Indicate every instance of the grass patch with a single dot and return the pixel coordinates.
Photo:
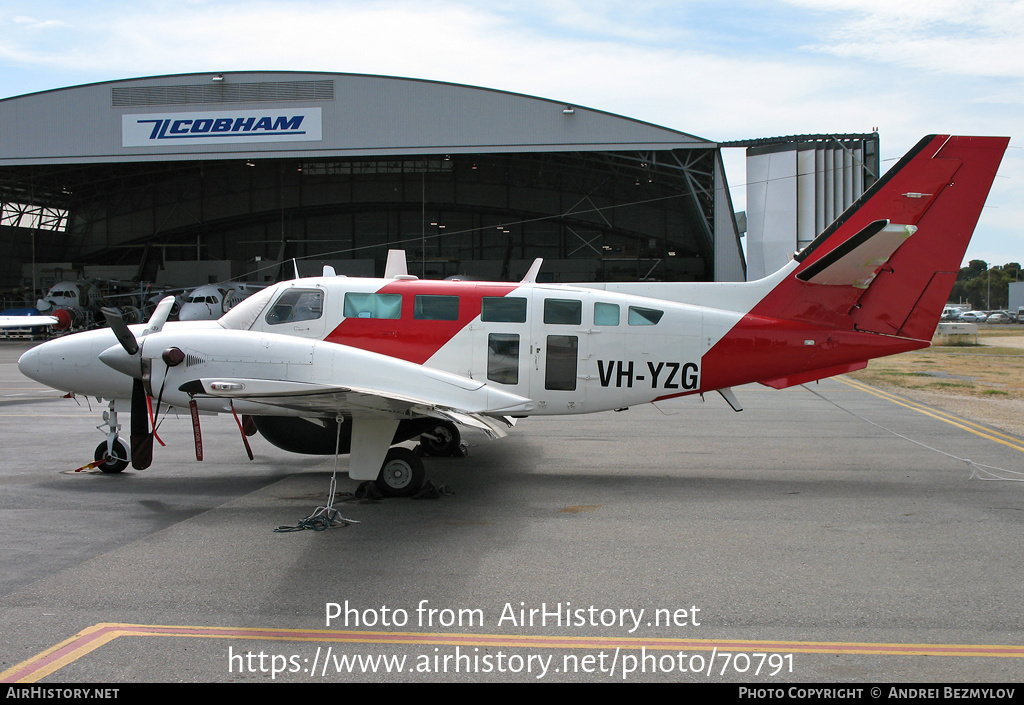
(991, 371)
(994, 331)
(979, 350)
(952, 342)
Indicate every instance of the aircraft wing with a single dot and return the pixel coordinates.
(26, 321)
(330, 400)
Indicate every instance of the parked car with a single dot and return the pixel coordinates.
(973, 317)
(1001, 317)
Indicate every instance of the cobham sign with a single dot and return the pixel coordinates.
(221, 127)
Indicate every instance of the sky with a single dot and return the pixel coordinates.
(717, 69)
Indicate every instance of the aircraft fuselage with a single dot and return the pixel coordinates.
(560, 349)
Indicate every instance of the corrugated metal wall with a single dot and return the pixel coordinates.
(797, 189)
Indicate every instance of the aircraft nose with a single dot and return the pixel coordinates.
(69, 364)
(48, 364)
(28, 364)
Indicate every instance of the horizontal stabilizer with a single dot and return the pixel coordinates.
(857, 261)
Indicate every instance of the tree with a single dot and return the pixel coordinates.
(987, 288)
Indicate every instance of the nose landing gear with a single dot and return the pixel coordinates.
(112, 451)
(115, 459)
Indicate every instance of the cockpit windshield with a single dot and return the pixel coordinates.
(242, 316)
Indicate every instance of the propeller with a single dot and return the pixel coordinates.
(136, 367)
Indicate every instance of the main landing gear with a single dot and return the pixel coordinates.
(442, 440)
(402, 474)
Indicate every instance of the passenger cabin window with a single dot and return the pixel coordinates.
(503, 358)
(644, 316)
(436, 308)
(297, 305)
(503, 309)
(563, 311)
(373, 305)
(606, 314)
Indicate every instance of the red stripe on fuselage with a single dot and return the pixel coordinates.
(761, 348)
(408, 338)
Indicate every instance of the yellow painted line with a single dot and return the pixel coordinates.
(92, 638)
(969, 426)
(923, 408)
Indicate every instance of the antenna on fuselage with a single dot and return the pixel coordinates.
(396, 266)
(531, 275)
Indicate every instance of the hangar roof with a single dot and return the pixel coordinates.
(287, 114)
(247, 166)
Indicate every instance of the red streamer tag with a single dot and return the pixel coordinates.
(194, 408)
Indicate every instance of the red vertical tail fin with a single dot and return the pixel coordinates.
(888, 264)
(874, 282)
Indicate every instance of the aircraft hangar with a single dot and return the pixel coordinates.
(213, 175)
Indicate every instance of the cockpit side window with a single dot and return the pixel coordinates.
(297, 305)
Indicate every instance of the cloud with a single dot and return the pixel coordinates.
(26, 22)
(717, 70)
(948, 36)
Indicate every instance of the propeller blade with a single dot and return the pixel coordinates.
(141, 438)
(120, 328)
(160, 315)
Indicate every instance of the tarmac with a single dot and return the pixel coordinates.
(828, 533)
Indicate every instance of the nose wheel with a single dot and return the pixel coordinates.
(113, 452)
(114, 460)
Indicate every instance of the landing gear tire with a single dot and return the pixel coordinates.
(115, 463)
(401, 475)
(442, 440)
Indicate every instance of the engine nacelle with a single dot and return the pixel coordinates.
(320, 436)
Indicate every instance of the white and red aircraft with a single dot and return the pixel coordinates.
(335, 364)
